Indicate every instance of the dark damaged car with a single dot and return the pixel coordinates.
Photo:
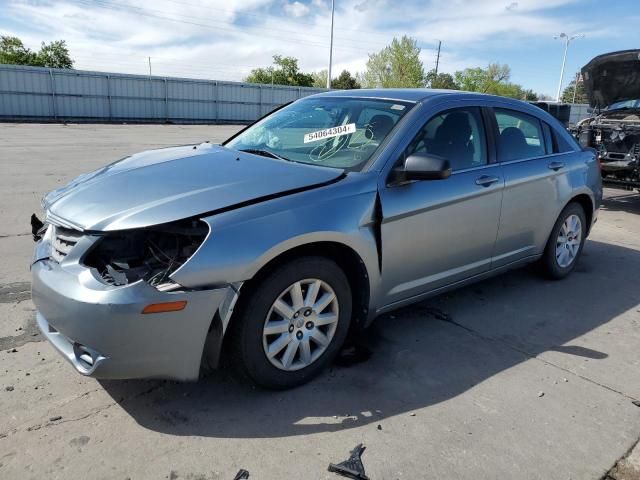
(612, 83)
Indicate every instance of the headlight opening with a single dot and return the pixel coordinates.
(151, 254)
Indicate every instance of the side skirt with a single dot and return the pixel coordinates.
(461, 283)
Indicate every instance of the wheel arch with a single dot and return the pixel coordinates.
(582, 198)
(586, 202)
(343, 255)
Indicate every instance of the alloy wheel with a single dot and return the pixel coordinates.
(300, 324)
(569, 241)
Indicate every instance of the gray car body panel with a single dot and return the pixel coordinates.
(242, 241)
(161, 186)
(414, 240)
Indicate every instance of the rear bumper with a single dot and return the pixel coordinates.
(102, 332)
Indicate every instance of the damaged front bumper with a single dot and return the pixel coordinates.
(101, 330)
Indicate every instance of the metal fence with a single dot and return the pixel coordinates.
(56, 95)
(50, 94)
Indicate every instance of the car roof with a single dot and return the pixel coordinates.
(400, 94)
(420, 94)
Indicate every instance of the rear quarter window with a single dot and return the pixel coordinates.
(561, 144)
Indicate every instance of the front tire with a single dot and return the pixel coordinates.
(565, 242)
(292, 324)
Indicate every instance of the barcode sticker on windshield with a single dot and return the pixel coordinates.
(330, 132)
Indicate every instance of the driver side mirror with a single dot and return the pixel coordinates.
(420, 166)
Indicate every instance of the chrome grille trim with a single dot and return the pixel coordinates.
(64, 239)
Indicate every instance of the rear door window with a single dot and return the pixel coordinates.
(519, 136)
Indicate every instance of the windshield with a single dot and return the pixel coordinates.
(625, 104)
(327, 131)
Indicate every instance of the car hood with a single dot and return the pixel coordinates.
(160, 186)
(612, 77)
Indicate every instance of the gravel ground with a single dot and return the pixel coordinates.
(515, 377)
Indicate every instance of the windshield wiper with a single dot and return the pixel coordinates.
(265, 153)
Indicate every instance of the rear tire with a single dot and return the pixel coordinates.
(292, 323)
(565, 242)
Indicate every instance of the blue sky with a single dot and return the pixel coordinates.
(225, 39)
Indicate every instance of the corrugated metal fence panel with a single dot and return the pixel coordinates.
(44, 94)
(33, 93)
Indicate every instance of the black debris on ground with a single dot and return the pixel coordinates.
(241, 475)
(352, 467)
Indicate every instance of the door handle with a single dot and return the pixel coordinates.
(555, 165)
(486, 180)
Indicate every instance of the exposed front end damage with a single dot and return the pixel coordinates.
(612, 83)
(108, 304)
(149, 254)
(616, 137)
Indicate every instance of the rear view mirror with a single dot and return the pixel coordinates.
(421, 166)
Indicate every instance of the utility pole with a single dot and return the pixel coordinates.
(331, 45)
(575, 87)
(567, 40)
(438, 57)
(149, 65)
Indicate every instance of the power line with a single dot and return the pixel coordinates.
(261, 17)
(142, 67)
(110, 5)
(163, 60)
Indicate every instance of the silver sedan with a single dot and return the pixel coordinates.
(268, 251)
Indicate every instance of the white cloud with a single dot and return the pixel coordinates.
(211, 39)
(296, 9)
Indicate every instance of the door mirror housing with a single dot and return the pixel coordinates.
(420, 166)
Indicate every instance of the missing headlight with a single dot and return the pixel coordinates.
(151, 254)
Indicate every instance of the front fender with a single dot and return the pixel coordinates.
(244, 240)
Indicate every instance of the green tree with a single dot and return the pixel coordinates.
(320, 79)
(345, 81)
(53, 55)
(483, 80)
(285, 71)
(13, 51)
(396, 65)
(494, 80)
(581, 94)
(441, 80)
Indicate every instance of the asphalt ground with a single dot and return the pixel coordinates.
(516, 377)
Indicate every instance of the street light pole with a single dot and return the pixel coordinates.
(567, 40)
(331, 45)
